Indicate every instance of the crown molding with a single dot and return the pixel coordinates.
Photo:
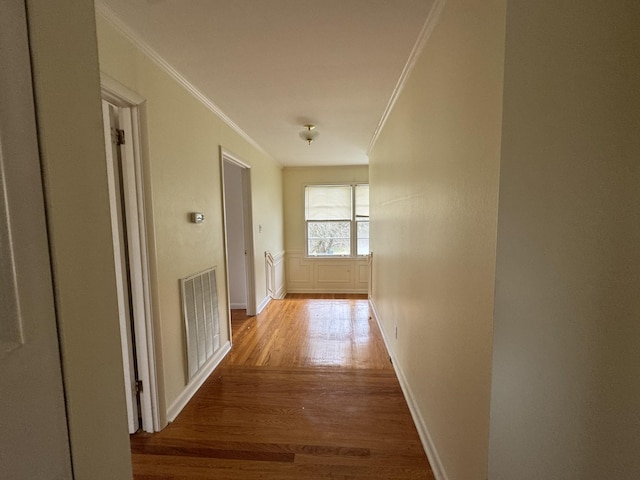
(427, 29)
(138, 42)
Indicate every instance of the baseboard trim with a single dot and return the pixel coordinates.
(196, 382)
(281, 293)
(325, 290)
(238, 306)
(425, 437)
(265, 301)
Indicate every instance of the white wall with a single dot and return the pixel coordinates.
(434, 196)
(235, 235)
(566, 367)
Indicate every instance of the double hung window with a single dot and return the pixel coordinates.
(337, 220)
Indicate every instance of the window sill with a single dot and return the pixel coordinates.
(336, 257)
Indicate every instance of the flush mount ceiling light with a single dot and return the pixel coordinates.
(309, 134)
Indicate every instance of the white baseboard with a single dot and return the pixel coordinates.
(196, 382)
(421, 426)
(326, 290)
(238, 306)
(265, 301)
(281, 293)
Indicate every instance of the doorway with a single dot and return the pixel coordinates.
(121, 118)
(236, 264)
(238, 225)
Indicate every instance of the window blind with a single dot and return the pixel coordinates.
(362, 202)
(328, 202)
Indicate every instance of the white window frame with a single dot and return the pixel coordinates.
(353, 223)
(356, 221)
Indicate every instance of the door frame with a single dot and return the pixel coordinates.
(34, 412)
(227, 156)
(119, 222)
(143, 331)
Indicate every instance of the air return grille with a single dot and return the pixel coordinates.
(201, 319)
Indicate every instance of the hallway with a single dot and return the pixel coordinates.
(307, 392)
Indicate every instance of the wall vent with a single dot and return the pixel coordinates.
(201, 319)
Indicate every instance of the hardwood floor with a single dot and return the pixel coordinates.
(307, 392)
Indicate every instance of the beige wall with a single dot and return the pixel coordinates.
(434, 194)
(326, 275)
(566, 368)
(67, 91)
(294, 180)
(184, 176)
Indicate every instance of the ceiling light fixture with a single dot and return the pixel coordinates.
(309, 134)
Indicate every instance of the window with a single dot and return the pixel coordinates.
(337, 220)
(362, 219)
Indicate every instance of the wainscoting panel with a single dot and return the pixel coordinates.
(334, 272)
(300, 271)
(276, 287)
(280, 283)
(362, 279)
(326, 275)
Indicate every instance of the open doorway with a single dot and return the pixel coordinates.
(238, 224)
(234, 214)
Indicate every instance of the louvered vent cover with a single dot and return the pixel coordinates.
(202, 323)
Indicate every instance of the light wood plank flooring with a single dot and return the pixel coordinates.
(307, 392)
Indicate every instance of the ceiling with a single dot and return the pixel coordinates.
(273, 65)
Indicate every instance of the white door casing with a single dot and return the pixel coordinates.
(111, 125)
(34, 442)
(128, 108)
(228, 158)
